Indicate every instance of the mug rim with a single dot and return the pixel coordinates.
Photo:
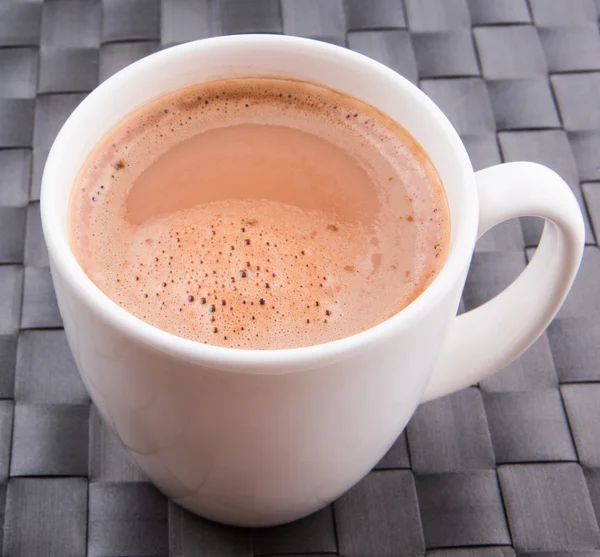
(255, 360)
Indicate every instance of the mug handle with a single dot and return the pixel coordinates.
(486, 339)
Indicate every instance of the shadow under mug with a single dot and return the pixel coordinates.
(259, 438)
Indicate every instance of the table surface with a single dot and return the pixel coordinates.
(510, 466)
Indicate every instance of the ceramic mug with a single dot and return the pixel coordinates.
(261, 437)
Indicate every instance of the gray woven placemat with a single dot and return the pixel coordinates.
(510, 466)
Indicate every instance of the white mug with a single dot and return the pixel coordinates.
(261, 437)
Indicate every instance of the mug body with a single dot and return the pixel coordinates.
(251, 437)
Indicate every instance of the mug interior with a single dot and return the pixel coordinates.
(258, 55)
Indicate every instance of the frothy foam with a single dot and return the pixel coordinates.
(259, 213)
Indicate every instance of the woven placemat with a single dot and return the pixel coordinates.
(512, 465)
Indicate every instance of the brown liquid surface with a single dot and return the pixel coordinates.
(259, 213)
